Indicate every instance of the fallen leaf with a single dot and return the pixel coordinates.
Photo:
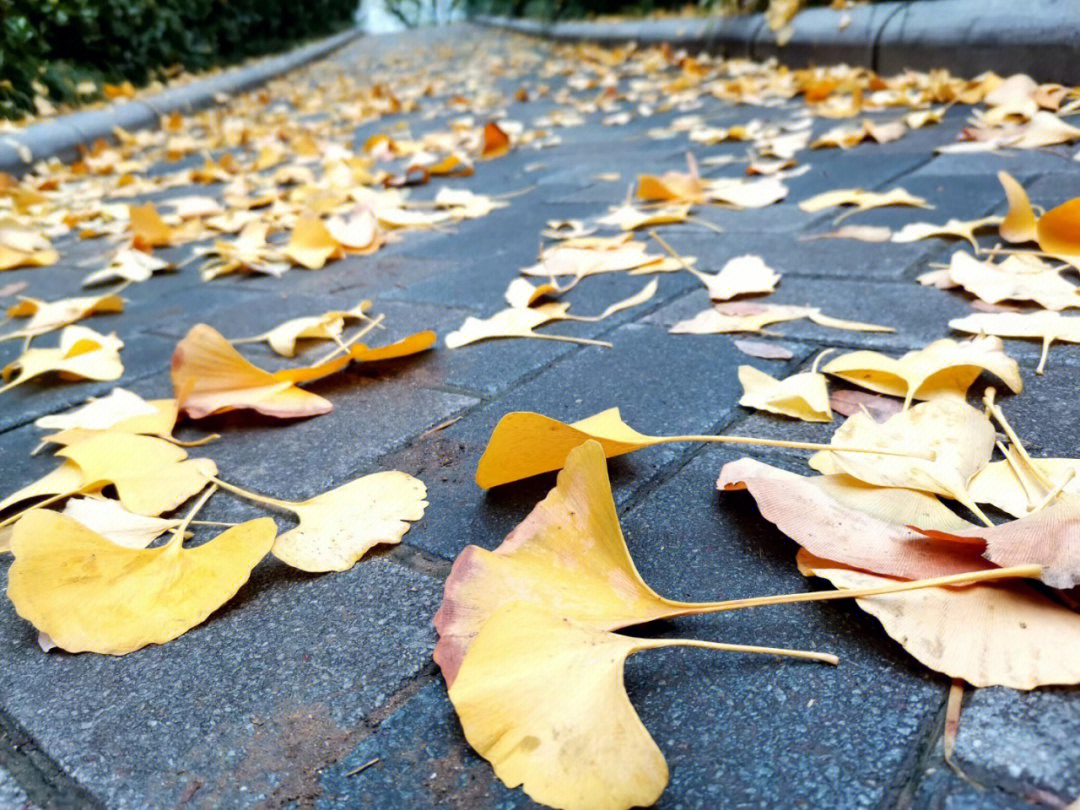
(514, 322)
(127, 265)
(856, 524)
(945, 368)
(328, 326)
(629, 218)
(496, 142)
(45, 316)
(1012, 280)
(1014, 489)
(848, 403)
(862, 200)
(954, 228)
(89, 594)
(766, 351)
(744, 316)
(1001, 634)
(113, 522)
(960, 437)
(742, 275)
(1019, 222)
(1058, 230)
(148, 229)
(311, 245)
(339, 527)
(803, 396)
(1046, 325)
(864, 233)
(82, 354)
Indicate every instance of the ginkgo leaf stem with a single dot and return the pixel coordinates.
(999, 416)
(50, 500)
(792, 445)
(211, 523)
(252, 496)
(568, 339)
(344, 346)
(675, 254)
(213, 437)
(661, 643)
(704, 223)
(178, 533)
(817, 360)
(1056, 490)
(1011, 462)
(988, 575)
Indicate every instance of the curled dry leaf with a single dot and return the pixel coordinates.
(496, 142)
(209, 376)
(1058, 230)
(856, 524)
(45, 316)
(82, 354)
(1019, 222)
(89, 594)
(311, 244)
(21, 248)
(339, 527)
(802, 396)
(1046, 325)
(945, 368)
(960, 437)
(1000, 634)
(148, 229)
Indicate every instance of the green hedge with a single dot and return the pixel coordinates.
(62, 42)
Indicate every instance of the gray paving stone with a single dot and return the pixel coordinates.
(245, 708)
(1017, 739)
(422, 761)
(12, 796)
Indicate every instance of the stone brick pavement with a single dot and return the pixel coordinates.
(299, 680)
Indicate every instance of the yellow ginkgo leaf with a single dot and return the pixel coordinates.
(1013, 488)
(82, 354)
(1019, 222)
(1015, 279)
(465, 204)
(1046, 325)
(525, 444)
(954, 228)
(744, 316)
(803, 396)
(945, 368)
(629, 218)
(338, 527)
(495, 143)
(120, 411)
(739, 192)
(960, 437)
(210, 376)
(148, 229)
(113, 522)
(328, 326)
(311, 244)
(151, 475)
(514, 322)
(542, 698)
(89, 594)
(1058, 230)
(1001, 634)
(45, 316)
(520, 293)
(862, 200)
(743, 275)
(127, 265)
(23, 248)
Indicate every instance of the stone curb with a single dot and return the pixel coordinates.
(1038, 37)
(59, 137)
